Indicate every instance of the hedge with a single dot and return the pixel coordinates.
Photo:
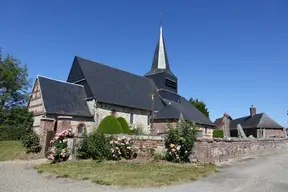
(124, 124)
(110, 125)
(218, 133)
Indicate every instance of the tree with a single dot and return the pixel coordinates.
(14, 82)
(200, 105)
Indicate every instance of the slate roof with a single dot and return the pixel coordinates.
(260, 120)
(63, 98)
(114, 86)
(172, 110)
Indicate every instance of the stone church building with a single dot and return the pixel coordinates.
(93, 91)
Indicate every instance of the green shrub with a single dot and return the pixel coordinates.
(179, 141)
(218, 133)
(13, 123)
(94, 145)
(82, 150)
(124, 125)
(159, 154)
(110, 125)
(31, 141)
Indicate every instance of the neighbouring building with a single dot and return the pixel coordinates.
(258, 125)
(93, 91)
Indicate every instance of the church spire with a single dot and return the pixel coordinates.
(160, 60)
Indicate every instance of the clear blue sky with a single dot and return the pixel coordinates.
(230, 54)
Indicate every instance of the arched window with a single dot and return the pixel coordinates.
(81, 128)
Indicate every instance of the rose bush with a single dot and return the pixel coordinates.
(59, 151)
(121, 147)
(179, 141)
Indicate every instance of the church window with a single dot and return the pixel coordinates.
(131, 118)
(81, 128)
(113, 112)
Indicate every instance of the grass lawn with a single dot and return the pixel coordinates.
(10, 150)
(128, 173)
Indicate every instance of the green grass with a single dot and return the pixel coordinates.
(11, 150)
(128, 173)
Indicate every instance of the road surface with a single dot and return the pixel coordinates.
(263, 174)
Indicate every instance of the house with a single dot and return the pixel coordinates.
(258, 125)
(94, 90)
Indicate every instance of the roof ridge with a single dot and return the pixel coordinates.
(60, 81)
(108, 66)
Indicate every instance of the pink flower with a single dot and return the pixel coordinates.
(123, 137)
(111, 142)
(116, 142)
(127, 143)
(51, 156)
(117, 148)
(118, 139)
(173, 150)
(172, 145)
(57, 137)
(63, 153)
(112, 150)
(178, 147)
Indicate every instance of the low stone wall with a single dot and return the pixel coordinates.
(219, 150)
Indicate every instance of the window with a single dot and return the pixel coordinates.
(131, 118)
(113, 112)
(81, 128)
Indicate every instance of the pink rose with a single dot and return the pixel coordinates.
(172, 145)
(127, 143)
(111, 142)
(173, 150)
(178, 147)
(116, 142)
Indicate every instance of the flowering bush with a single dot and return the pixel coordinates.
(59, 152)
(31, 141)
(121, 147)
(180, 141)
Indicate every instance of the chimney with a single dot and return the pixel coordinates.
(252, 111)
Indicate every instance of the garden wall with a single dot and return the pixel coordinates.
(220, 150)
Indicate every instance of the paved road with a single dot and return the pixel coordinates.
(264, 174)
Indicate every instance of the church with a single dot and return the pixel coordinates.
(93, 91)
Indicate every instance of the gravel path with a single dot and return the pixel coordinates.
(265, 174)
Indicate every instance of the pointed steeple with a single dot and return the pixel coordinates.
(160, 60)
(160, 71)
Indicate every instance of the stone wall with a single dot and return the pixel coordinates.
(219, 150)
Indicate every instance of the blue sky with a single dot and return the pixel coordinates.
(230, 54)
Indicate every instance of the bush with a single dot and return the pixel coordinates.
(95, 146)
(13, 123)
(31, 141)
(110, 125)
(59, 152)
(179, 141)
(82, 150)
(121, 147)
(218, 133)
(159, 154)
(124, 125)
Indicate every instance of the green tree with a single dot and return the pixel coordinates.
(200, 105)
(14, 82)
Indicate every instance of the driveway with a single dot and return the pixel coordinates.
(265, 174)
